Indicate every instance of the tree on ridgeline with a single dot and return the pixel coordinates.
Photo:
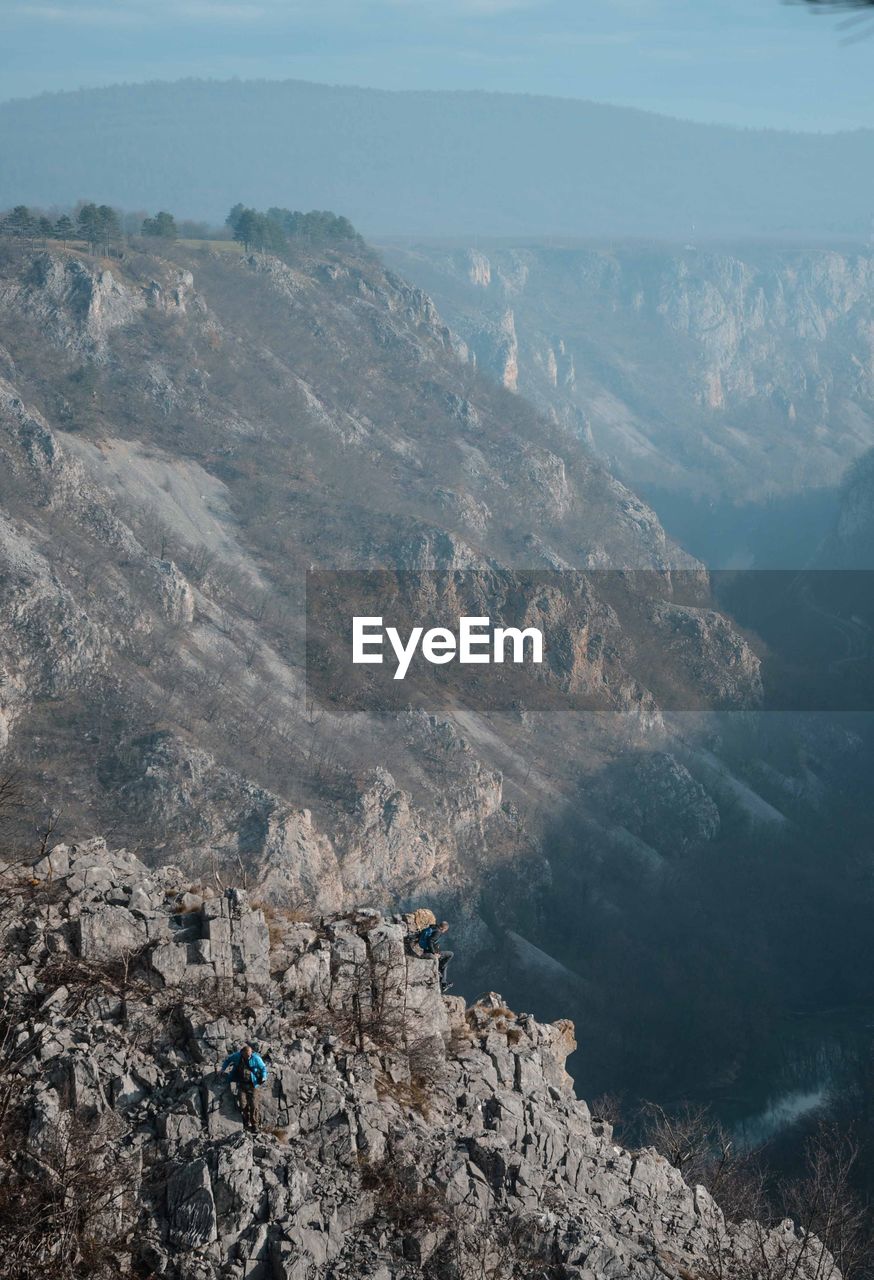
(319, 226)
(110, 224)
(88, 225)
(64, 229)
(245, 227)
(234, 217)
(254, 230)
(272, 230)
(99, 225)
(20, 223)
(161, 227)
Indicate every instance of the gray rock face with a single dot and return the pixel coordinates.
(402, 1133)
(76, 304)
(668, 807)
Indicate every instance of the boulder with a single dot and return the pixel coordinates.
(109, 933)
(191, 1211)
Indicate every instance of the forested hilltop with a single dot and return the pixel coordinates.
(101, 227)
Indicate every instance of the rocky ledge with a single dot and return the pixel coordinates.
(403, 1133)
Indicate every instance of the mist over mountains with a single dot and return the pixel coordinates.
(730, 385)
(432, 163)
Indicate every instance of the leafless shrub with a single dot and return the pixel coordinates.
(197, 562)
(607, 1107)
(372, 1012)
(403, 1198)
(833, 1224)
(689, 1138)
(219, 998)
(498, 1248)
(825, 1205)
(13, 1053)
(11, 792)
(81, 980)
(413, 1092)
(64, 1209)
(47, 829)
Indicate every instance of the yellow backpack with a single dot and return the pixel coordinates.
(420, 919)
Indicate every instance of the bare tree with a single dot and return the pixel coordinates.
(11, 794)
(686, 1138)
(47, 830)
(827, 1207)
(63, 1208)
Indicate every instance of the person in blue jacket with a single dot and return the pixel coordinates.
(248, 1072)
(429, 943)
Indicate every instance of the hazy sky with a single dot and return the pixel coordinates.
(757, 62)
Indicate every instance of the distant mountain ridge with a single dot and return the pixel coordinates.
(428, 162)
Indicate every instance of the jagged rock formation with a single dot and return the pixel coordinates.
(403, 1134)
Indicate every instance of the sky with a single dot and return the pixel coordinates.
(747, 62)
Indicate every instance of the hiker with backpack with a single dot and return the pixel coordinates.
(248, 1072)
(428, 942)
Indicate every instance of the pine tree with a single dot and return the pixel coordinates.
(162, 226)
(234, 217)
(246, 228)
(100, 226)
(20, 222)
(64, 229)
(110, 225)
(89, 225)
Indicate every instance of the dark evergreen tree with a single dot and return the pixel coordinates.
(110, 224)
(99, 225)
(319, 226)
(162, 226)
(63, 229)
(20, 222)
(89, 226)
(234, 217)
(249, 229)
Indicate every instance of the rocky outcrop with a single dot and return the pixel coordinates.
(658, 800)
(496, 347)
(76, 304)
(402, 1133)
